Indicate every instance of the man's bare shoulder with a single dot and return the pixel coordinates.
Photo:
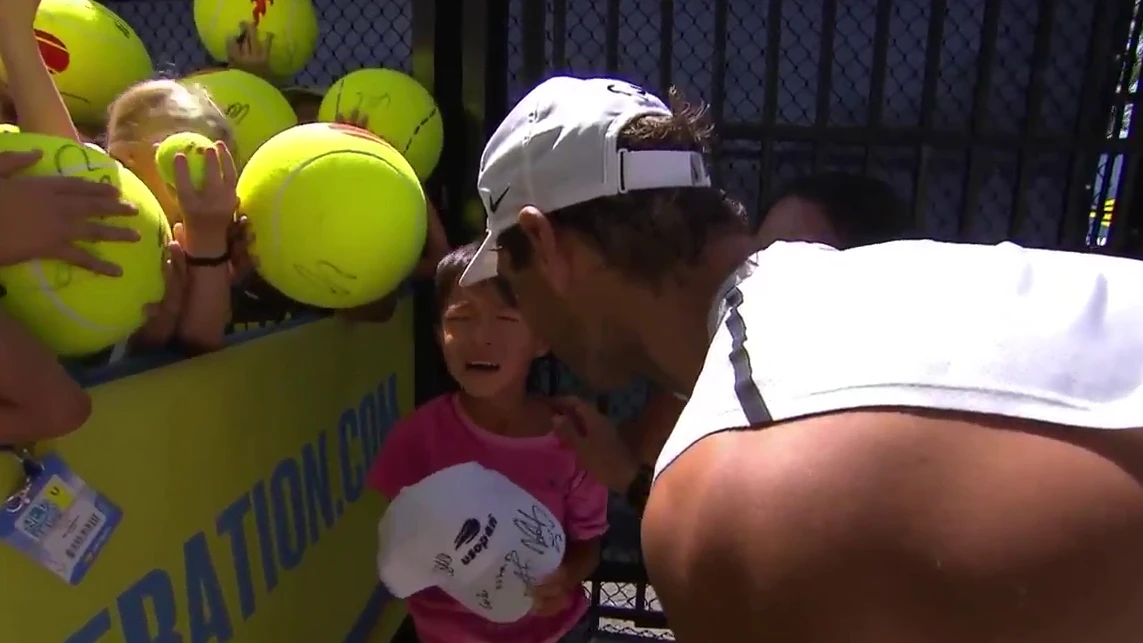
(886, 527)
(771, 537)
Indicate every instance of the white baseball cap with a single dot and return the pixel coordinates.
(559, 147)
(474, 534)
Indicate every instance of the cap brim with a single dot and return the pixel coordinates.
(483, 264)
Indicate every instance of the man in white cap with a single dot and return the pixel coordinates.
(905, 442)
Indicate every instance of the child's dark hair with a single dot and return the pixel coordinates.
(302, 96)
(864, 210)
(452, 267)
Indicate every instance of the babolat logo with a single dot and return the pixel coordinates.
(481, 544)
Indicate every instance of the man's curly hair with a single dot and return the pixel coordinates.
(648, 234)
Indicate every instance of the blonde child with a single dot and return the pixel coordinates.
(201, 218)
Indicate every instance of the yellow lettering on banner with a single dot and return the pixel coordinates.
(241, 479)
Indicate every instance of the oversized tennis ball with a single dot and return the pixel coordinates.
(396, 108)
(292, 23)
(255, 108)
(338, 215)
(73, 311)
(474, 215)
(93, 55)
(192, 145)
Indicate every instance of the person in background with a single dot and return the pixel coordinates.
(494, 421)
(834, 208)
(305, 101)
(201, 218)
(838, 209)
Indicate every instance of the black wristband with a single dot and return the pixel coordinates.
(209, 262)
(640, 488)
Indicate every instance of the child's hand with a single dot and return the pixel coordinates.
(250, 53)
(241, 238)
(553, 593)
(208, 210)
(65, 209)
(163, 317)
(354, 118)
(598, 446)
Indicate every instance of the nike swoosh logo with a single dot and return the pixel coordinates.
(494, 204)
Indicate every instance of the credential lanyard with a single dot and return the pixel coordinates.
(18, 499)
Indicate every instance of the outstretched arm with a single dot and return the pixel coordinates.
(37, 101)
(38, 400)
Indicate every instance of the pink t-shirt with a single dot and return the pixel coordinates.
(439, 435)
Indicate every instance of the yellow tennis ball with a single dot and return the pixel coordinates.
(73, 311)
(338, 215)
(6, 128)
(474, 215)
(192, 145)
(93, 55)
(291, 23)
(398, 109)
(255, 108)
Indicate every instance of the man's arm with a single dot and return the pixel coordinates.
(38, 400)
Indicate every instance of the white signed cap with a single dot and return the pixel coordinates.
(474, 534)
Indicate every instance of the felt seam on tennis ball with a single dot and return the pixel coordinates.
(280, 197)
(53, 296)
(417, 130)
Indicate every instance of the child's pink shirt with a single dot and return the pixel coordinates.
(439, 435)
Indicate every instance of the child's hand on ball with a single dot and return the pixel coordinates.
(68, 210)
(208, 211)
(354, 118)
(250, 53)
(242, 260)
(163, 316)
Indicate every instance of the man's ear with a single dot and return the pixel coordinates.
(541, 349)
(547, 253)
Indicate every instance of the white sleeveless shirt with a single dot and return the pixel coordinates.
(802, 329)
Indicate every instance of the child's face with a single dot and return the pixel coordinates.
(486, 344)
(139, 157)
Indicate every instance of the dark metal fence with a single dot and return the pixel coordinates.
(996, 119)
